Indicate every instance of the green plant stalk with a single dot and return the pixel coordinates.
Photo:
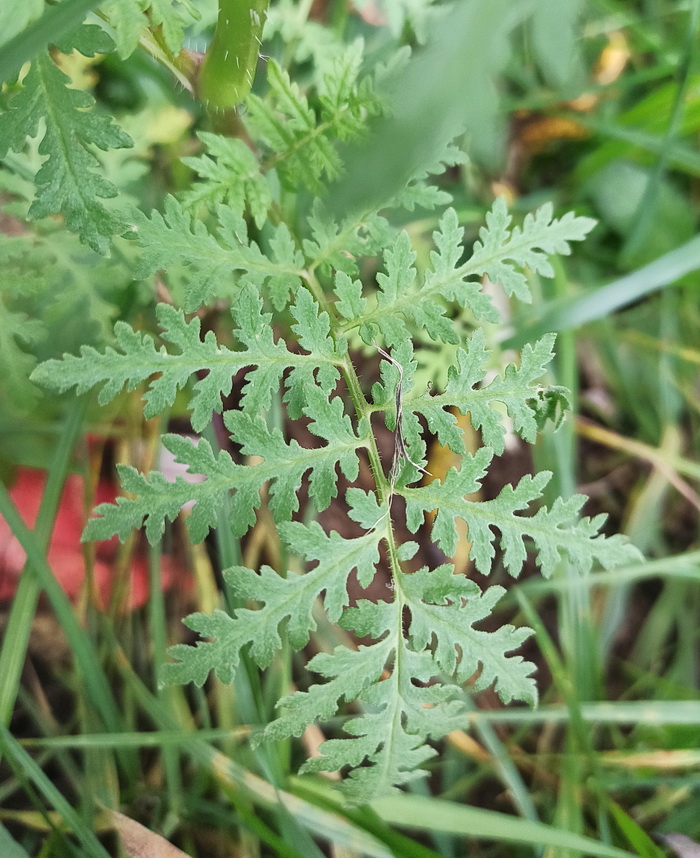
(71, 770)
(19, 624)
(362, 408)
(576, 629)
(506, 768)
(226, 75)
(579, 746)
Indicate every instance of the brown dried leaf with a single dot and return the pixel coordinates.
(140, 842)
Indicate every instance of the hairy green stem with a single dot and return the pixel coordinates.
(227, 73)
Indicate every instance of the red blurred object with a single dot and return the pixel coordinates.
(65, 554)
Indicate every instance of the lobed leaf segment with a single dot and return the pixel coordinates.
(426, 640)
(68, 181)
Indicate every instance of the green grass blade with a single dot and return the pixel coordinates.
(19, 623)
(431, 814)
(320, 823)
(684, 566)
(26, 768)
(636, 837)
(94, 680)
(648, 206)
(647, 712)
(505, 767)
(152, 739)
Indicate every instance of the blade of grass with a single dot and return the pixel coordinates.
(427, 814)
(679, 566)
(25, 767)
(577, 671)
(328, 826)
(319, 791)
(636, 837)
(648, 712)
(558, 452)
(9, 847)
(642, 529)
(19, 624)
(682, 157)
(666, 462)
(505, 767)
(157, 620)
(580, 759)
(94, 680)
(152, 739)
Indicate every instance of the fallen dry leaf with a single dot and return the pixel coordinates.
(140, 842)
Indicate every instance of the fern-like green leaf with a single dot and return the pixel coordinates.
(177, 238)
(302, 143)
(444, 608)
(309, 41)
(403, 298)
(419, 193)
(517, 389)
(14, 17)
(289, 600)
(388, 741)
(138, 360)
(229, 173)
(67, 183)
(346, 99)
(129, 21)
(555, 533)
(286, 463)
(440, 641)
(335, 246)
(283, 465)
(500, 248)
(16, 333)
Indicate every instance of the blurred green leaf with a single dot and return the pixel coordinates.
(555, 30)
(651, 712)
(54, 24)
(447, 88)
(636, 837)
(618, 191)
